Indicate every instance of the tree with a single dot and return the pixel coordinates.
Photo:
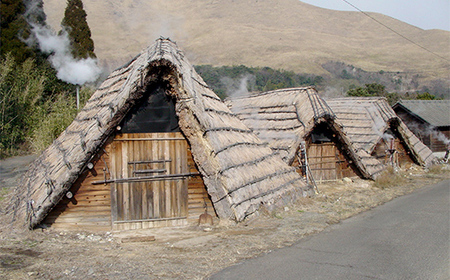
(373, 89)
(14, 29)
(426, 96)
(75, 24)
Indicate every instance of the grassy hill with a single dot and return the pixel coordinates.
(282, 34)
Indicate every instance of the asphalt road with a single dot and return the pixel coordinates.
(407, 238)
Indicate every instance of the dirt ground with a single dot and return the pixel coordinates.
(196, 252)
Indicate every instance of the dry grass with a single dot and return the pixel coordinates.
(389, 178)
(287, 34)
(191, 253)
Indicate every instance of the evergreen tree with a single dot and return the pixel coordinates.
(14, 29)
(75, 23)
(16, 37)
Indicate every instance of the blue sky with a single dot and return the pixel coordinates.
(426, 14)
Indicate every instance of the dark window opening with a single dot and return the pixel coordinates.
(321, 133)
(155, 113)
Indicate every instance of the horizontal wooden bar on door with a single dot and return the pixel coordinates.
(149, 161)
(150, 220)
(149, 171)
(325, 162)
(318, 169)
(148, 178)
(149, 139)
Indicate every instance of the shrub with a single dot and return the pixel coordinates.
(389, 178)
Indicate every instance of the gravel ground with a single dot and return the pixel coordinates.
(194, 252)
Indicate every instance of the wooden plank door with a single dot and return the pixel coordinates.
(147, 167)
(323, 161)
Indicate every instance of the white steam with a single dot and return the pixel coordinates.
(437, 134)
(69, 69)
(237, 87)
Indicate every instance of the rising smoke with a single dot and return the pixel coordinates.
(236, 88)
(69, 69)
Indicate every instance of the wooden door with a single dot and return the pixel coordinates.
(150, 172)
(327, 162)
(323, 161)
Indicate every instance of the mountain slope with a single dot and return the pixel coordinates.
(286, 34)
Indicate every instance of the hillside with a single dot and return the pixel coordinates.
(282, 34)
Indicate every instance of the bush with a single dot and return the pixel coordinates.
(62, 113)
(21, 93)
(35, 107)
(389, 178)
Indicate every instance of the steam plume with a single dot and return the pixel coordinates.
(68, 69)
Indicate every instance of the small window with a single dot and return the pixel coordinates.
(156, 113)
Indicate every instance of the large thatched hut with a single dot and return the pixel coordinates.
(373, 128)
(299, 125)
(152, 147)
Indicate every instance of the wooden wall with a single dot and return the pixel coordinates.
(327, 162)
(403, 156)
(94, 206)
(197, 194)
(431, 138)
(90, 207)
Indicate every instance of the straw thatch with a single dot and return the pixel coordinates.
(240, 172)
(283, 118)
(365, 120)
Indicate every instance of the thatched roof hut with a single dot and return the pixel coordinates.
(287, 117)
(282, 118)
(427, 119)
(367, 122)
(240, 172)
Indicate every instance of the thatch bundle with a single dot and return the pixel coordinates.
(283, 118)
(365, 121)
(240, 172)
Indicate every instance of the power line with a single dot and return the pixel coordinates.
(396, 32)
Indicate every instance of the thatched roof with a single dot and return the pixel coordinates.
(240, 172)
(432, 112)
(365, 120)
(285, 117)
(282, 118)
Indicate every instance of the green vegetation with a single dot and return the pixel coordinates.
(226, 80)
(374, 89)
(426, 96)
(14, 28)
(75, 23)
(34, 107)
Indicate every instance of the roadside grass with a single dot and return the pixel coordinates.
(390, 178)
(3, 192)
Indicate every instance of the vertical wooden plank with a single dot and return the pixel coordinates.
(156, 184)
(132, 186)
(120, 188)
(179, 183)
(137, 187)
(174, 186)
(126, 186)
(339, 163)
(112, 150)
(167, 189)
(144, 148)
(183, 195)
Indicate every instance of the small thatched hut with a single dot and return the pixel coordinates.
(427, 119)
(152, 147)
(294, 119)
(373, 127)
